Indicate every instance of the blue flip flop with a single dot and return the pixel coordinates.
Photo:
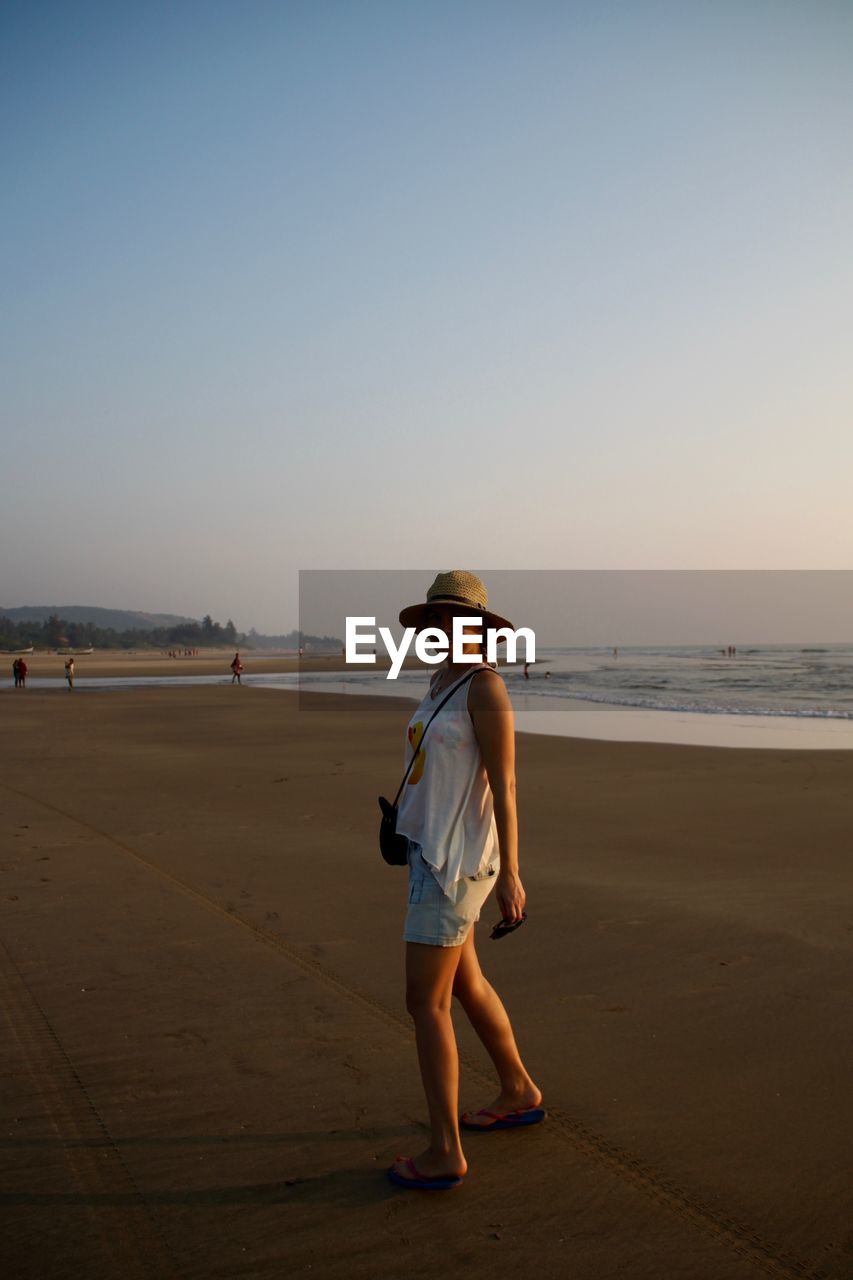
(510, 1120)
(418, 1182)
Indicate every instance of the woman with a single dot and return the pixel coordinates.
(458, 812)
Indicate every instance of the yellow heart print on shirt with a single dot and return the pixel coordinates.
(416, 733)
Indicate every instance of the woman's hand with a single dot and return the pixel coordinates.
(511, 897)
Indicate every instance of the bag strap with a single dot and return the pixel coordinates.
(458, 685)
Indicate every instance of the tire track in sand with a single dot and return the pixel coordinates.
(132, 1242)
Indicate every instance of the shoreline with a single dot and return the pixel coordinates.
(565, 718)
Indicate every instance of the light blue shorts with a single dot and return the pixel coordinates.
(432, 918)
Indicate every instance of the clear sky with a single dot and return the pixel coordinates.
(385, 285)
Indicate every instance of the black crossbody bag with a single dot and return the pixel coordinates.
(393, 846)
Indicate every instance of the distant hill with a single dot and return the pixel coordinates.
(84, 624)
(115, 619)
(78, 625)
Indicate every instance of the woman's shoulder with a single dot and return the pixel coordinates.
(487, 691)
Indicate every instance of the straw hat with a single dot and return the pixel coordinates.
(460, 590)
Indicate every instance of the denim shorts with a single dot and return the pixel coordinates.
(434, 919)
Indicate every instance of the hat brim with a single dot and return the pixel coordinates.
(415, 615)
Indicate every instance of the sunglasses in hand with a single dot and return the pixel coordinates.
(503, 927)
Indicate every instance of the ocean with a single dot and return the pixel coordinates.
(814, 682)
(766, 695)
(770, 695)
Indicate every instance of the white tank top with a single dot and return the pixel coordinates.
(447, 803)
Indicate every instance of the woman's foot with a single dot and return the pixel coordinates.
(429, 1165)
(505, 1104)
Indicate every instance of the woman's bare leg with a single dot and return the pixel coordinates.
(489, 1019)
(429, 990)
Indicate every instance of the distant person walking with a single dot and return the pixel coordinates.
(69, 672)
(236, 669)
(15, 672)
(22, 673)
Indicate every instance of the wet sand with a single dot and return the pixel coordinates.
(208, 1065)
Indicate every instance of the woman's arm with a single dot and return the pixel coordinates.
(494, 728)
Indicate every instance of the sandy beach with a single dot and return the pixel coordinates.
(208, 1065)
(112, 663)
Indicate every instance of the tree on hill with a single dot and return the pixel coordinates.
(56, 632)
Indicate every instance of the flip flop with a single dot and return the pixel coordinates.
(511, 1119)
(418, 1181)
